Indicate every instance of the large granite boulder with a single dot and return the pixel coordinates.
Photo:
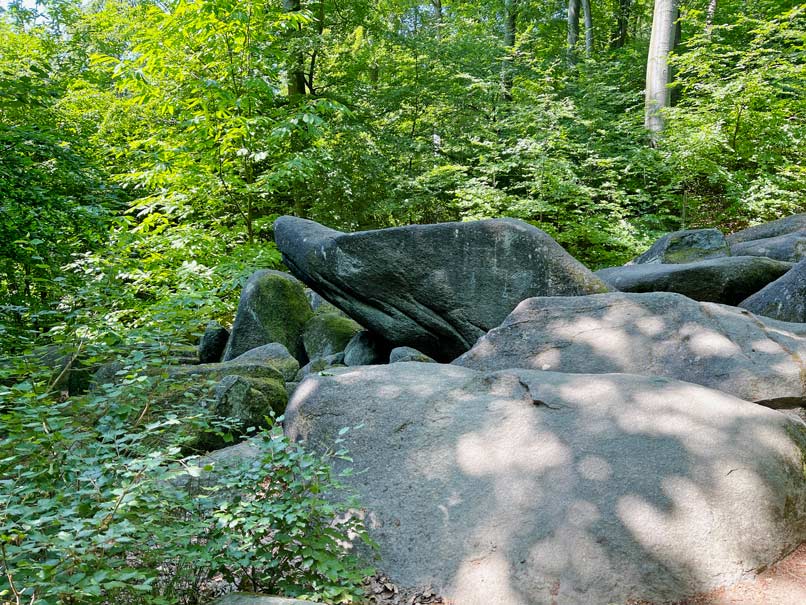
(535, 488)
(783, 226)
(727, 280)
(784, 299)
(437, 288)
(685, 247)
(273, 308)
(789, 247)
(662, 334)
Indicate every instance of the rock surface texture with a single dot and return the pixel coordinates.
(535, 488)
(328, 333)
(437, 288)
(783, 299)
(273, 308)
(789, 224)
(660, 334)
(727, 280)
(685, 247)
(789, 247)
(273, 354)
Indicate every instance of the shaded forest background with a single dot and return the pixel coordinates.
(150, 145)
(146, 148)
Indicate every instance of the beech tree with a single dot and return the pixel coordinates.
(661, 43)
(574, 7)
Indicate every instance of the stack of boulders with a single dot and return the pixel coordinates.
(525, 431)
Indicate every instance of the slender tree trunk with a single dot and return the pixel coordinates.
(588, 16)
(622, 24)
(320, 28)
(657, 67)
(709, 17)
(437, 10)
(296, 65)
(510, 28)
(573, 30)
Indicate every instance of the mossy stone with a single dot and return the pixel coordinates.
(328, 333)
(273, 308)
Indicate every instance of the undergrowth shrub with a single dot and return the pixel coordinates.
(90, 512)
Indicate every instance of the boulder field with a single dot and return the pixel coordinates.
(595, 438)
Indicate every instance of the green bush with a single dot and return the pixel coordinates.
(91, 514)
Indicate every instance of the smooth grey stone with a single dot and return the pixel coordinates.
(790, 247)
(524, 487)
(273, 354)
(788, 224)
(437, 288)
(320, 364)
(401, 354)
(328, 333)
(366, 349)
(213, 342)
(783, 299)
(660, 334)
(685, 247)
(727, 280)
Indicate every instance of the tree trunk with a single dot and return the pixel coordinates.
(586, 11)
(657, 67)
(510, 27)
(573, 30)
(622, 24)
(437, 10)
(709, 17)
(296, 64)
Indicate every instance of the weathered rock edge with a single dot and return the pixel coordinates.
(533, 488)
(661, 334)
(436, 288)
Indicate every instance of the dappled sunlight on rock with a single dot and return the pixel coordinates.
(708, 343)
(594, 468)
(659, 334)
(484, 581)
(531, 487)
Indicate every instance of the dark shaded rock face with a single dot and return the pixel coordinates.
(366, 349)
(213, 342)
(685, 247)
(536, 488)
(784, 299)
(789, 247)
(727, 280)
(273, 308)
(789, 224)
(437, 288)
(661, 334)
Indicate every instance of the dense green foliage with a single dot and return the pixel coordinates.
(147, 146)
